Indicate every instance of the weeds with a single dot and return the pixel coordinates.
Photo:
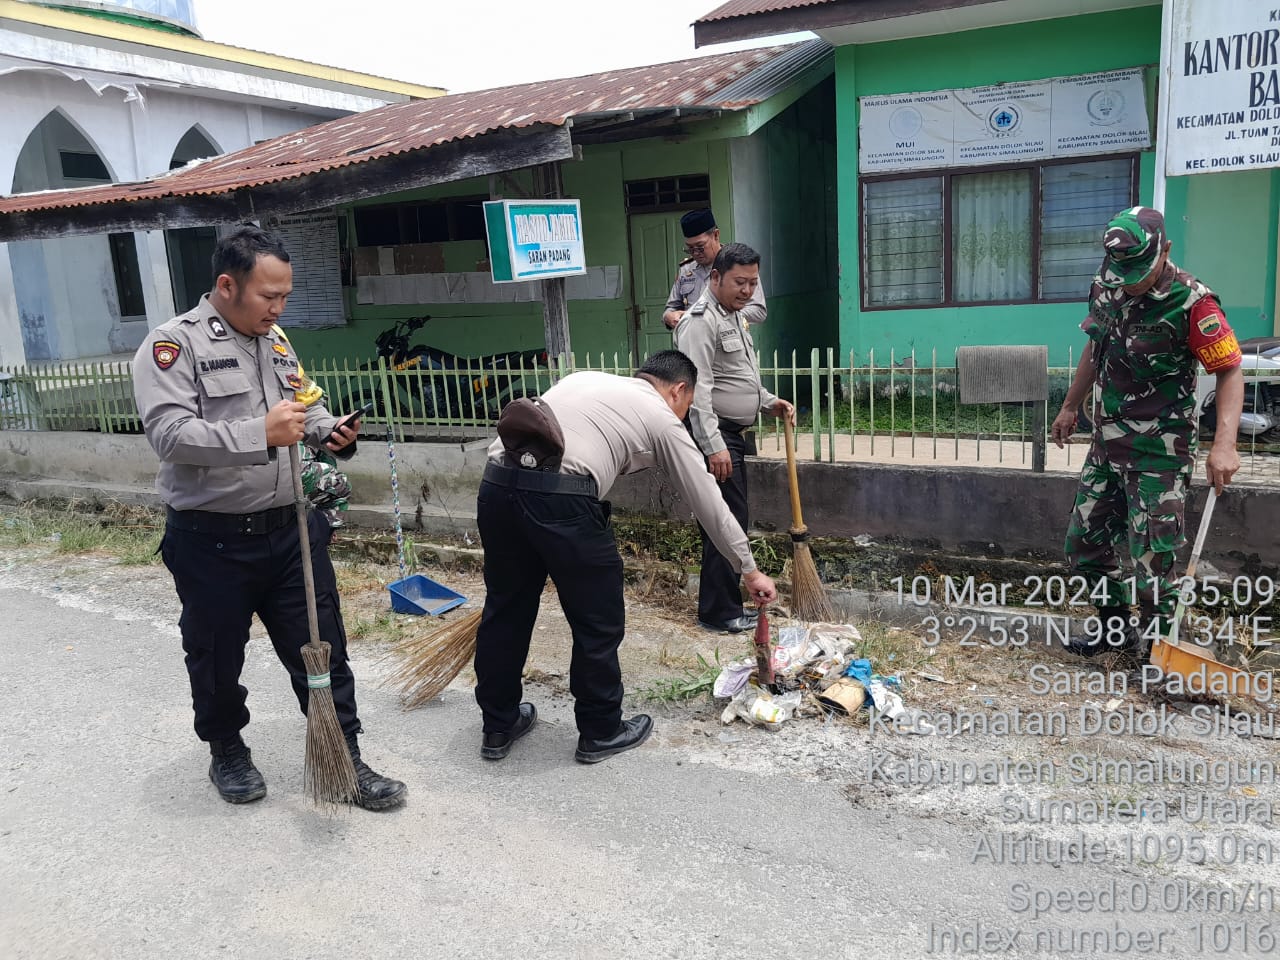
(890, 649)
(131, 534)
(691, 682)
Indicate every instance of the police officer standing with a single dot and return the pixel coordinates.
(715, 335)
(702, 243)
(1150, 323)
(540, 513)
(215, 390)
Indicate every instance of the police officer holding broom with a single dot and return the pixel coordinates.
(1150, 323)
(540, 512)
(717, 338)
(215, 390)
(702, 243)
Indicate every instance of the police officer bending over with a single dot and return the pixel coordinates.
(215, 390)
(539, 512)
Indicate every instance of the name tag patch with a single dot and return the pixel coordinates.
(731, 341)
(219, 363)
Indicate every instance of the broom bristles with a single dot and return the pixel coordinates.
(808, 597)
(430, 662)
(329, 774)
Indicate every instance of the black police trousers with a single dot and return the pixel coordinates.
(719, 587)
(527, 536)
(223, 579)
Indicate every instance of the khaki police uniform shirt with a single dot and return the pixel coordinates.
(691, 281)
(203, 392)
(619, 425)
(719, 344)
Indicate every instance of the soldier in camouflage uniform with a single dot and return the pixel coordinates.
(1149, 324)
(325, 485)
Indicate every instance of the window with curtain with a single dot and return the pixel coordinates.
(1025, 234)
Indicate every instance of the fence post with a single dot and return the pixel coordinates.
(97, 371)
(384, 383)
(814, 391)
(1039, 411)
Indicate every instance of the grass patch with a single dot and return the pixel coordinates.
(691, 682)
(892, 650)
(130, 534)
(951, 418)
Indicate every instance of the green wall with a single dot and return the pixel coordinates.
(1030, 51)
(796, 187)
(594, 325)
(1223, 228)
(800, 148)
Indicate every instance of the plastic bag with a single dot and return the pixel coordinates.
(792, 651)
(733, 677)
(755, 706)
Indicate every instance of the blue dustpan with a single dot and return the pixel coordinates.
(419, 594)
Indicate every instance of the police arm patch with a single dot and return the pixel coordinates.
(165, 353)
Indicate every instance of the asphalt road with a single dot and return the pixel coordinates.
(114, 844)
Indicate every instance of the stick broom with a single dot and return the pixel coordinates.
(808, 598)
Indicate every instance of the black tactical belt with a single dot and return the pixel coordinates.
(732, 426)
(540, 481)
(249, 524)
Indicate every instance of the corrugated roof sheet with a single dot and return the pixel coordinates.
(745, 8)
(725, 81)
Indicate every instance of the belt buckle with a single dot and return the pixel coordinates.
(252, 524)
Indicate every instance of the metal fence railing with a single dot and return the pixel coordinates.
(877, 407)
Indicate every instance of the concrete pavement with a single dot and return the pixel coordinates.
(114, 845)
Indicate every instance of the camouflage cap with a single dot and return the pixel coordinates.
(1133, 241)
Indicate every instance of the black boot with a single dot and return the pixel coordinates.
(233, 773)
(376, 791)
(1107, 616)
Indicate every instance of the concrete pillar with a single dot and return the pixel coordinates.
(12, 352)
(157, 285)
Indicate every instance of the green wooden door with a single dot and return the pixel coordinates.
(657, 246)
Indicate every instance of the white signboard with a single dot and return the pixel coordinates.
(1006, 123)
(1224, 111)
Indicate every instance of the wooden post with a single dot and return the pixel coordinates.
(555, 307)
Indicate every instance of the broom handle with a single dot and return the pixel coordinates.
(1195, 559)
(797, 518)
(304, 542)
(395, 497)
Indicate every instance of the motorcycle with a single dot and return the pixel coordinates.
(430, 383)
(1260, 417)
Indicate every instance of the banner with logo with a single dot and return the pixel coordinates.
(1224, 89)
(1005, 123)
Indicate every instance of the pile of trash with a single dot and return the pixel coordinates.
(815, 672)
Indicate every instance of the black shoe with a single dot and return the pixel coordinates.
(495, 746)
(737, 625)
(632, 733)
(1132, 645)
(376, 791)
(233, 773)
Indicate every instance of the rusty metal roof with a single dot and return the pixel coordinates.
(726, 81)
(747, 8)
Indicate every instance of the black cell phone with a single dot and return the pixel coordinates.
(347, 420)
